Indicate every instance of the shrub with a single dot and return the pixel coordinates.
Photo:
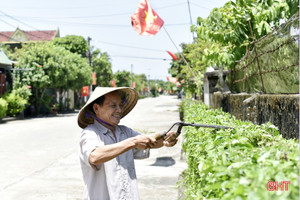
(3, 108)
(236, 163)
(23, 92)
(16, 104)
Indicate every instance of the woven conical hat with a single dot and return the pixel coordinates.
(130, 101)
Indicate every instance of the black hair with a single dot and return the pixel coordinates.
(98, 101)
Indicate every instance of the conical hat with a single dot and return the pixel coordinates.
(130, 101)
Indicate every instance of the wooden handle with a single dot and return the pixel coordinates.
(158, 136)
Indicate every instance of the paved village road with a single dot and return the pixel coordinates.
(39, 156)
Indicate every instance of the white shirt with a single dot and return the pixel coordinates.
(114, 179)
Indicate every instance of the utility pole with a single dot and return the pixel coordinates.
(149, 93)
(90, 62)
(131, 76)
(191, 21)
(90, 55)
(149, 85)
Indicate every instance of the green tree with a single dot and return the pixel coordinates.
(227, 33)
(193, 54)
(229, 29)
(123, 78)
(47, 66)
(140, 82)
(73, 43)
(102, 67)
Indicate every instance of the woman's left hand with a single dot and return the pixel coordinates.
(170, 139)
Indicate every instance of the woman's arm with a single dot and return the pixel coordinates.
(105, 153)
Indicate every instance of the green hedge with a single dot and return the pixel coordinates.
(236, 163)
(3, 108)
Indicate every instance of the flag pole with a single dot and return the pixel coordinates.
(182, 56)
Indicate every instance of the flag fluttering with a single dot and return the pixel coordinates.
(172, 55)
(145, 20)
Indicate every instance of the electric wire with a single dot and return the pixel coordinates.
(144, 58)
(128, 46)
(25, 25)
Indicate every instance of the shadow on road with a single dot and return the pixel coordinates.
(164, 162)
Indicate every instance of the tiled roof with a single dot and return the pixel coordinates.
(32, 35)
(40, 35)
(4, 36)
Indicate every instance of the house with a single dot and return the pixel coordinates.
(5, 67)
(17, 37)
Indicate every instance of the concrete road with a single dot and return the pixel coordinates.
(39, 156)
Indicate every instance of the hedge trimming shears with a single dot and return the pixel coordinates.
(182, 124)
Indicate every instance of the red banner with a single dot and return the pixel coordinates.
(94, 78)
(113, 83)
(133, 84)
(85, 91)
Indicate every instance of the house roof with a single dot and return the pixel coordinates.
(21, 36)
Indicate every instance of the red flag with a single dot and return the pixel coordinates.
(145, 20)
(85, 91)
(172, 55)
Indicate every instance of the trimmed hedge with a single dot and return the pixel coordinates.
(236, 163)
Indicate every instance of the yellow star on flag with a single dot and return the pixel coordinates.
(149, 16)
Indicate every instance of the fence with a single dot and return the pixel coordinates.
(272, 66)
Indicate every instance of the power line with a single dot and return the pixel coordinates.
(17, 20)
(146, 58)
(128, 46)
(200, 6)
(23, 24)
(96, 24)
(75, 17)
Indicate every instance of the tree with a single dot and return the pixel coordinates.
(227, 34)
(192, 53)
(140, 82)
(231, 29)
(47, 66)
(123, 78)
(102, 67)
(73, 43)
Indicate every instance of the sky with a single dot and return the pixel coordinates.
(108, 24)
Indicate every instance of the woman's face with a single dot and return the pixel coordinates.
(111, 110)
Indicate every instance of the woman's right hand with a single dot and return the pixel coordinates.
(144, 141)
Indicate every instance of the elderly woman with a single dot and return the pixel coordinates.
(107, 150)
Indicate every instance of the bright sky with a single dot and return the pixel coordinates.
(108, 23)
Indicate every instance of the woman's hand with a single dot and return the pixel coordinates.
(170, 139)
(144, 141)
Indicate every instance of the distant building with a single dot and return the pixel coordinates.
(17, 37)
